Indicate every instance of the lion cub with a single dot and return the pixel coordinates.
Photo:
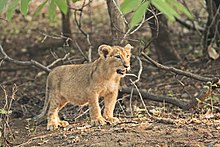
(85, 83)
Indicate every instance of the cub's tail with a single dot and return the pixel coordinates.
(39, 118)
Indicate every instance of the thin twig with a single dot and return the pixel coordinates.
(130, 102)
(118, 101)
(80, 9)
(140, 70)
(208, 28)
(87, 110)
(141, 98)
(58, 60)
(5, 127)
(130, 31)
(80, 50)
(57, 37)
(132, 75)
(157, 22)
(134, 84)
(79, 25)
(116, 5)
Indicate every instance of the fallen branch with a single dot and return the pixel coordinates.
(179, 103)
(178, 71)
(185, 105)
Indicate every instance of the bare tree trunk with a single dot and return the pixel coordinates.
(117, 22)
(66, 26)
(165, 51)
(212, 31)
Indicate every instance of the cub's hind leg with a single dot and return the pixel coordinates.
(56, 104)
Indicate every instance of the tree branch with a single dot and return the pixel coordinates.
(190, 26)
(178, 71)
(23, 63)
(31, 62)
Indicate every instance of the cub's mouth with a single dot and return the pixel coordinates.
(121, 71)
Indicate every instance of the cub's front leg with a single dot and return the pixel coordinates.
(95, 111)
(110, 101)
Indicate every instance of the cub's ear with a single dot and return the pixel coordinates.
(104, 50)
(128, 47)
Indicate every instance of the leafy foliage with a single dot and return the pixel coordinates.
(2, 4)
(24, 6)
(5, 112)
(52, 8)
(62, 5)
(40, 7)
(139, 13)
(10, 7)
(130, 5)
(171, 8)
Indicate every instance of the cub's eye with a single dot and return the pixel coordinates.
(118, 56)
(128, 56)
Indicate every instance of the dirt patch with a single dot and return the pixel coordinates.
(130, 132)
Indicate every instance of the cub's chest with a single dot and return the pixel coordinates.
(111, 86)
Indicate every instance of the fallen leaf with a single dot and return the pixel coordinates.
(212, 53)
(195, 120)
(209, 114)
(155, 112)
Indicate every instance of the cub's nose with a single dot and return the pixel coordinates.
(126, 66)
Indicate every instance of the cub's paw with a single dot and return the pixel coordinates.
(112, 120)
(54, 126)
(63, 123)
(98, 121)
(51, 127)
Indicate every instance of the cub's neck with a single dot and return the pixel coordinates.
(103, 70)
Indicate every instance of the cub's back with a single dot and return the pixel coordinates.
(69, 74)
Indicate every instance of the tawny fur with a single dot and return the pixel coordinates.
(86, 83)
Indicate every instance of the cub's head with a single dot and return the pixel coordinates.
(116, 57)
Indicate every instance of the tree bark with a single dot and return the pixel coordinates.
(161, 40)
(117, 22)
(212, 31)
(66, 26)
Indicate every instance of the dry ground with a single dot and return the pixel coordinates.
(199, 127)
